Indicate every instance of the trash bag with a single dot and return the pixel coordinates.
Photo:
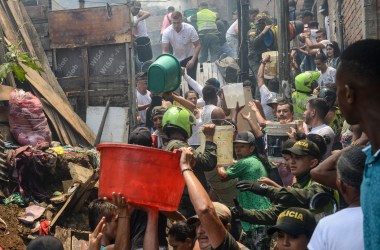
(27, 120)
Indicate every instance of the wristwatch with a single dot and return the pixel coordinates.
(263, 185)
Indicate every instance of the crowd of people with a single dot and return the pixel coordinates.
(322, 194)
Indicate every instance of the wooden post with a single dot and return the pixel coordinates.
(86, 75)
(283, 48)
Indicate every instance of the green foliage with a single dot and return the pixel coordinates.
(13, 58)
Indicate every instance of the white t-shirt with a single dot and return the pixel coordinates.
(267, 95)
(195, 138)
(342, 230)
(327, 77)
(325, 43)
(231, 30)
(182, 42)
(142, 100)
(325, 130)
(206, 113)
(140, 30)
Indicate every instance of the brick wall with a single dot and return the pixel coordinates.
(352, 12)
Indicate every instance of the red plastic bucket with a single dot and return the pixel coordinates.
(145, 176)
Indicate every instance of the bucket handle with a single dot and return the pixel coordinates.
(209, 122)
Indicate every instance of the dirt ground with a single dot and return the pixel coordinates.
(17, 238)
(13, 240)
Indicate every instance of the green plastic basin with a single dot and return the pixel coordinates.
(164, 75)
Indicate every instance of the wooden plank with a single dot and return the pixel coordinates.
(33, 43)
(206, 69)
(62, 107)
(63, 208)
(56, 122)
(89, 26)
(86, 75)
(5, 92)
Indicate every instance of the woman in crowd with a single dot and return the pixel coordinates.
(333, 54)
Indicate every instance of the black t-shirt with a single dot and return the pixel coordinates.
(139, 220)
(229, 243)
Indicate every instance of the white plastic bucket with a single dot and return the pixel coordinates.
(223, 138)
(234, 93)
(271, 69)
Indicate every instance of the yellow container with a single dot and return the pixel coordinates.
(271, 69)
(223, 138)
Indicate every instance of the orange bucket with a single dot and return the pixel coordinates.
(145, 176)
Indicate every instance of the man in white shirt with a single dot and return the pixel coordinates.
(321, 38)
(232, 38)
(185, 42)
(140, 32)
(344, 229)
(328, 73)
(316, 111)
(142, 96)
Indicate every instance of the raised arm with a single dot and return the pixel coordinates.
(187, 104)
(151, 235)
(201, 202)
(142, 15)
(260, 72)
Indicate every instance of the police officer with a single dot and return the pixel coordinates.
(256, 45)
(208, 33)
(305, 155)
(177, 125)
(334, 117)
(304, 83)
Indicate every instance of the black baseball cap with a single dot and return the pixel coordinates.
(304, 147)
(213, 82)
(141, 136)
(274, 100)
(245, 137)
(295, 221)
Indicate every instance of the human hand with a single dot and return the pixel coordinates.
(292, 133)
(246, 117)
(266, 58)
(268, 182)
(252, 186)
(209, 131)
(124, 209)
(186, 157)
(190, 64)
(167, 95)
(95, 238)
(265, 30)
(253, 106)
